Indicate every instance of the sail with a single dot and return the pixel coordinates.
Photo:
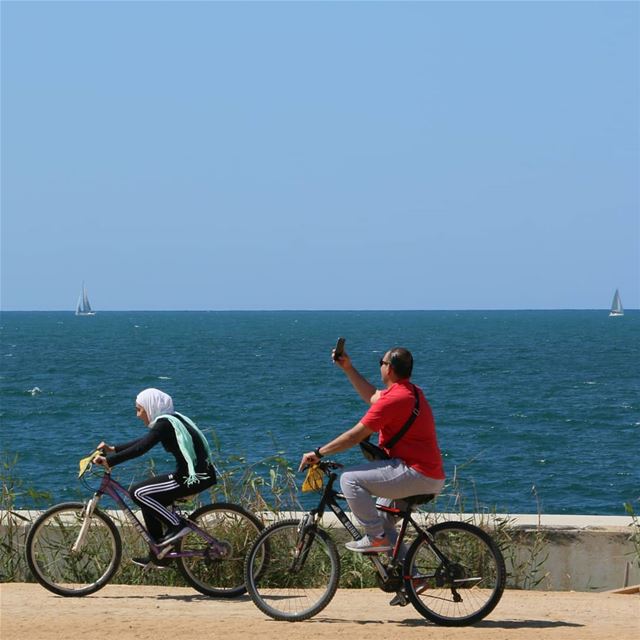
(83, 308)
(616, 305)
(86, 307)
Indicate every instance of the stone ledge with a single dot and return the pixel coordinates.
(571, 552)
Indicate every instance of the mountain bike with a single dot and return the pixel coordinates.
(74, 548)
(453, 573)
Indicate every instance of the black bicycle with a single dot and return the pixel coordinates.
(75, 548)
(453, 573)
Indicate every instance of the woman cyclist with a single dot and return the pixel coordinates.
(194, 470)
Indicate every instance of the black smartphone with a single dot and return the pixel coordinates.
(339, 350)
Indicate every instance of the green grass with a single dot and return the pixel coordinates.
(270, 487)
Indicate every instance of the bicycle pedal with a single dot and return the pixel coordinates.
(399, 600)
(148, 563)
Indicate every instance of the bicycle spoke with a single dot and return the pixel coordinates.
(51, 557)
(299, 575)
(463, 589)
(217, 569)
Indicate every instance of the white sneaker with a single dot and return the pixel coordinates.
(369, 545)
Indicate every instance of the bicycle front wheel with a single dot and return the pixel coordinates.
(292, 572)
(69, 556)
(462, 584)
(218, 571)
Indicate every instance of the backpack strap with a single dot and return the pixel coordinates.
(414, 414)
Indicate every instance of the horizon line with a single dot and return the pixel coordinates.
(307, 310)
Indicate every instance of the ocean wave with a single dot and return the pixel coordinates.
(563, 399)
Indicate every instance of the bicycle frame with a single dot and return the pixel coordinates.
(113, 489)
(329, 499)
(436, 569)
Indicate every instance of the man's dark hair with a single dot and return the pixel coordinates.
(401, 361)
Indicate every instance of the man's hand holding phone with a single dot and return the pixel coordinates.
(340, 356)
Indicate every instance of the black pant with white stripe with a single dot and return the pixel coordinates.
(153, 496)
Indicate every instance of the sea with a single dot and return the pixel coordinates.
(536, 411)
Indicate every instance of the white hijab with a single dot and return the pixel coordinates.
(155, 403)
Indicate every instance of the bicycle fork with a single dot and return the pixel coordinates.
(306, 534)
(87, 514)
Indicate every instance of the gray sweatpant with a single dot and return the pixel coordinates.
(389, 480)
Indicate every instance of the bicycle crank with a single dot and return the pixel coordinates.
(220, 550)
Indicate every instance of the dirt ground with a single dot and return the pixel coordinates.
(157, 613)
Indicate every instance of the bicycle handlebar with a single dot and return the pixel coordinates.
(87, 463)
(329, 465)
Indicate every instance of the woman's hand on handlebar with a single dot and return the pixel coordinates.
(106, 448)
(102, 461)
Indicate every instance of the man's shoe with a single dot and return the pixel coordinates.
(150, 562)
(173, 534)
(370, 545)
(399, 600)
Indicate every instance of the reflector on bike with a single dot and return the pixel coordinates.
(313, 480)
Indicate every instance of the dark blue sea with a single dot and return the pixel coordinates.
(536, 411)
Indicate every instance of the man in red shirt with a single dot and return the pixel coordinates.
(415, 466)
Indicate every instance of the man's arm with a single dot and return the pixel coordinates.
(343, 442)
(364, 388)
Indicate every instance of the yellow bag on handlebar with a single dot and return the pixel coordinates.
(85, 462)
(314, 479)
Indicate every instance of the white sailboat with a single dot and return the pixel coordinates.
(83, 308)
(616, 306)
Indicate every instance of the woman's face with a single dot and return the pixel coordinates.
(142, 414)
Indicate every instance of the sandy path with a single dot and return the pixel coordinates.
(29, 612)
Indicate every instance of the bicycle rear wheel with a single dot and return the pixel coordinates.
(52, 558)
(292, 572)
(212, 573)
(466, 587)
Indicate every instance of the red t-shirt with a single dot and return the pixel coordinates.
(418, 447)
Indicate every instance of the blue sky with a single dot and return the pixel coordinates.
(320, 155)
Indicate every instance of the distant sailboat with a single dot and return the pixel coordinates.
(616, 305)
(83, 308)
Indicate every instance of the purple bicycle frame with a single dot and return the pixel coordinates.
(113, 489)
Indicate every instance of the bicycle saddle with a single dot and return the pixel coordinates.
(413, 501)
(186, 498)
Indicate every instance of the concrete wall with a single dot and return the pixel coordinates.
(582, 553)
(560, 553)
(556, 552)
(570, 552)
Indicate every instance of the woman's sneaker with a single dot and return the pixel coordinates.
(370, 545)
(151, 562)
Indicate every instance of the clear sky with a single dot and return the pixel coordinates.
(480, 155)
